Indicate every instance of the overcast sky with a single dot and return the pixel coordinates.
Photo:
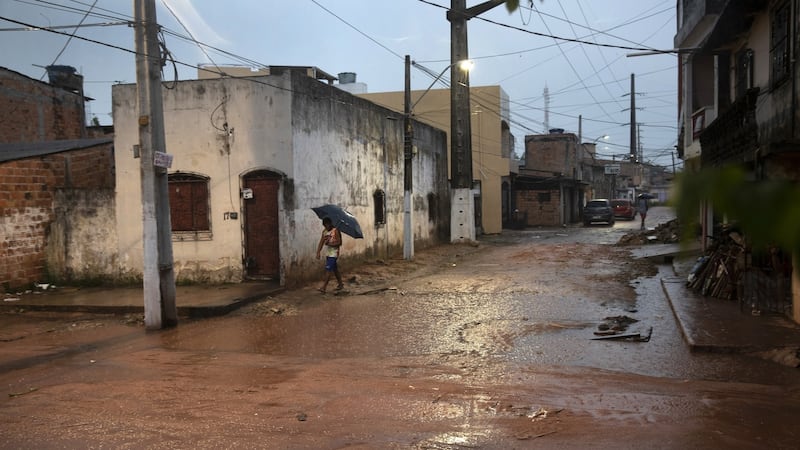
(521, 52)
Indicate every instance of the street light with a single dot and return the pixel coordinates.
(408, 137)
(465, 65)
(604, 137)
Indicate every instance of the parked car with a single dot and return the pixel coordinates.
(623, 208)
(598, 210)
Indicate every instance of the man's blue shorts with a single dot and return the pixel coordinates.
(330, 263)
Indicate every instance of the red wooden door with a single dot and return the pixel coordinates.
(262, 252)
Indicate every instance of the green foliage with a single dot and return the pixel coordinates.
(768, 212)
(512, 5)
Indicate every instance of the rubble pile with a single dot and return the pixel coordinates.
(665, 233)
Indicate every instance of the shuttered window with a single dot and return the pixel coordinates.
(188, 203)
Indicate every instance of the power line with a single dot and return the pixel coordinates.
(579, 41)
(66, 44)
(189, 33)
(359, 31)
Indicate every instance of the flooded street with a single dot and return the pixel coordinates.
(491, 346)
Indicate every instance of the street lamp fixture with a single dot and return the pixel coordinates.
(465, 65)
(604, 137)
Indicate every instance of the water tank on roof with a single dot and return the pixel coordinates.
(347, 77)
(65, 77)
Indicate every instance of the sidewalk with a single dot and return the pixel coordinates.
(192, 301)
(715, 325)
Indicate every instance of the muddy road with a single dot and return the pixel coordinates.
(488, 346)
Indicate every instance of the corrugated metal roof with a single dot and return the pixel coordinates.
(22, 150)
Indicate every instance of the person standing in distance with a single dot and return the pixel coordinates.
(641, 207)
(331, 240)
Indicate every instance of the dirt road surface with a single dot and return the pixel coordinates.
(488, 346)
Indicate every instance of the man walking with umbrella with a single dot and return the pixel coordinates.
(641, 207)
(331, 240)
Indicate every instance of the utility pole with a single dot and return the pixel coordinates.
(462, 204)
(160, 310)
(408, 179)
(633, 121)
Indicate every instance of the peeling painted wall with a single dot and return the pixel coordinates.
(80, 245)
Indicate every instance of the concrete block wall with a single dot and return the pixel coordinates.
(539, 213)
(34, 111)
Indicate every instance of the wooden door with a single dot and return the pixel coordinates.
(262, 250)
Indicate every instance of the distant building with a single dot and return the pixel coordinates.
(209, 71)
(492, 144)
(549, 190)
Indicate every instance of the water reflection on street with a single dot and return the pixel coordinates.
(526, 298)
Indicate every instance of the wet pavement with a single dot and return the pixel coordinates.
(493, 346)
(706, 324)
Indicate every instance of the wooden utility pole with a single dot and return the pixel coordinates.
(408, 178)
(158, 276)
(462, 204)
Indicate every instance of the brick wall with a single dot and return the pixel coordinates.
(34, 111)
(27, 193)
(550, 154)
(541, 206)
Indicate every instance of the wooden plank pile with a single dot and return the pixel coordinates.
(719, 273)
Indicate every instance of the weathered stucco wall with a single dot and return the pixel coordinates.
(328, 146)
(81, 244)
(346, 149)
(219, 129)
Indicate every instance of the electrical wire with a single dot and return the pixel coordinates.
(357, 30)
(66, 44)
(180, 22)
(551, 36)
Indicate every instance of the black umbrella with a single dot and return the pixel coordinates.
(646, 196)
(342, 220)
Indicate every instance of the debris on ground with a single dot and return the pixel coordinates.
(616, 327)
(787, 356)
(638, 337)
(665, 233)
(731, 269)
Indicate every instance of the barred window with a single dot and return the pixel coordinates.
(744, 72)
(379, 200)
(779, 44)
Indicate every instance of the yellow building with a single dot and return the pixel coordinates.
(492, 143)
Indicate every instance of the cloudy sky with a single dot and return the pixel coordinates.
(578, 49)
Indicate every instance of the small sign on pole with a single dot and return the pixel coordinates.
(612, 169)
(163, 160)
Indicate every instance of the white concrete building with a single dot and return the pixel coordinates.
(253, 155)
